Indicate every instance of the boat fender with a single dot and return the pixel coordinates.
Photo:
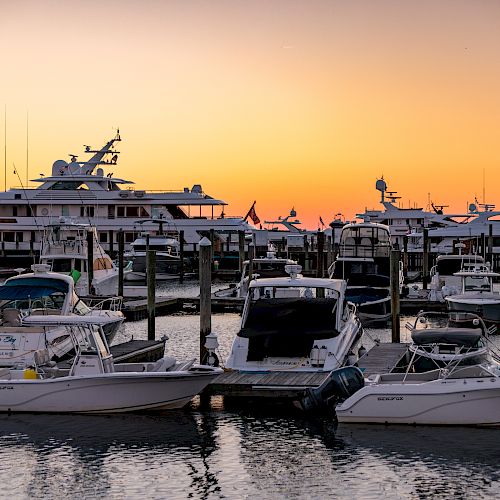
(338, 386)
(29, 373)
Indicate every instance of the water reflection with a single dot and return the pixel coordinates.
(108, 455)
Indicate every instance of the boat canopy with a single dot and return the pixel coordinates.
(467, 337)
(31, 288)
(291, 317)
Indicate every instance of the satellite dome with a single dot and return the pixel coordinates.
(59, 167)
(100, 172)
(472, 208)
(381, 185)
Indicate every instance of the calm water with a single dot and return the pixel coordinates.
(226, 452)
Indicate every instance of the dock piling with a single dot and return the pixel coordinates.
(90, 260)
(320, 264)
(205, 271)
(121, 251)
(241, 248)
(151, 280)
(425, 259)
(181, 256)
(395, 258)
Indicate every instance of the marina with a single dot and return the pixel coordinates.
(250, 250)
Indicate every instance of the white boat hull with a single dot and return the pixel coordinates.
(110, 393)
(439, 402)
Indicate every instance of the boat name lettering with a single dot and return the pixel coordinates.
(390, 398)
(7, 387)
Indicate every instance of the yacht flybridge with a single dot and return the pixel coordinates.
(83, 191)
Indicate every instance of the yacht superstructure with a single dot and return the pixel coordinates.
(83, 191)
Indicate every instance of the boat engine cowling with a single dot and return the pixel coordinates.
(339, 385)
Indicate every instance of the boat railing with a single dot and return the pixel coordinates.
(65, 247)
(107, 304)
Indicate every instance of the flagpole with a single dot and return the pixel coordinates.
(248, 213)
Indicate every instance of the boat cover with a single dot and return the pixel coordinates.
(31, 288)
(291, 316)
(467, 337)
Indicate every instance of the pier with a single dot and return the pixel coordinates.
(381, 358)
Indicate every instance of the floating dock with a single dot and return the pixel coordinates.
(381, 358)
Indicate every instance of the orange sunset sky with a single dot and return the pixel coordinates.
(290, 103)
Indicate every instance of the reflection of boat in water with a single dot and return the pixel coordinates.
(452, 378)
(94, 383)
(295, 323)
(364, 262)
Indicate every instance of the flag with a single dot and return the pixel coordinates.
(252, 214)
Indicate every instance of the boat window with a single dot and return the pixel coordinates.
(268, 292)
(61, 265)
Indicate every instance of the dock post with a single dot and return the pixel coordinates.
(181, 256)
(90, 260)
(205, 272)
(483, 246)
(121, 251)
(306, 254)
(320, 265)
(425, 259)
(251, 256)
(111, 243)
(490, 244)
(395, 258)
(405, 256)
(212, 244)
(241, 248)
(151, 280)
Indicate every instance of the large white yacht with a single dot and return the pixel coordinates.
(83, 191)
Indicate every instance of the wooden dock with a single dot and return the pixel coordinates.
(381, 358)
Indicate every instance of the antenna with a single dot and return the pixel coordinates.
(484, 186)
(5, 147)
(27, 147)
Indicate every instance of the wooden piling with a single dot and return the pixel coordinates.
(425, 259)
(306, 254)
(181, 256)
(151, 281)
(205, 273)
(395, 258)
(121, 251)
(320, 264)
(111, 243)
(405, 256)
(490, 245)
(483, 246)
(90, 260)
(241, 248)
(251, 256)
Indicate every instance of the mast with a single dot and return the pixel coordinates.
(5, 148)
(27, 147)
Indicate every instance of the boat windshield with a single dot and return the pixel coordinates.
(477, 284)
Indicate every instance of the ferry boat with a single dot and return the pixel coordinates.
(83, 191)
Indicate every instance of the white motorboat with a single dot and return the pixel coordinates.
(295, 323)
(93, 383)
(269, 266)
(444, 280)
(42, 293)
(364, 262)
(463, 388)
(168, 260)
(65, 249)
(477, 294)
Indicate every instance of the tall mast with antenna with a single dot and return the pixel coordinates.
(484, 186)
(5, 149)
(27, 147)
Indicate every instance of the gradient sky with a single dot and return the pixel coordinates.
(290, 103)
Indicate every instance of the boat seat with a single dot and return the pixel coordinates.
(11, 317)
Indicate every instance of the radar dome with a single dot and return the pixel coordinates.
(381, 185)
(58, 167)
(100, 172)
(472, 207)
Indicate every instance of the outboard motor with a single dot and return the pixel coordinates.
(339, 385)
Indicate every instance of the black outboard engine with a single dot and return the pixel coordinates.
(340, 384)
